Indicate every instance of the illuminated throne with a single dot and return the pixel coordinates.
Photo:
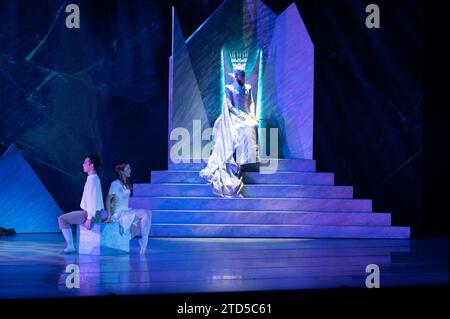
(279, 63)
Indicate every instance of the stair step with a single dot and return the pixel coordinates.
(283, 204)
(280, 165)
(249, 190)
(292, 201)
(270, 217)
(278, 231)
(292, 178)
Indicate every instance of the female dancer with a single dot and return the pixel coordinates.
(133, 221)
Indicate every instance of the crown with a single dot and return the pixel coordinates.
(239, 59)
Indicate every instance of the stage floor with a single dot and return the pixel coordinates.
(31, 266)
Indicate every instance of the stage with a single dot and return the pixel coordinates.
(346, 199)
(31, 266)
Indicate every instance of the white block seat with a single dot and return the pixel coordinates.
(102, 239)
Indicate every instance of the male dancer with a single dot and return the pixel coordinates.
(91, 203)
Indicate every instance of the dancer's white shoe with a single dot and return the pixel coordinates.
(68, 236)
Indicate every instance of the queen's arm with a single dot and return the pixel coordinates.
(229, 102)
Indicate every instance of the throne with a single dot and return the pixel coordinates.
(279, 63)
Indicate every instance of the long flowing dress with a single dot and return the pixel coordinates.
(232, 136)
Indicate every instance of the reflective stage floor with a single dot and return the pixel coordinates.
(32, 266)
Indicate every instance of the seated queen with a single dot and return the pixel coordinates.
(235, 138)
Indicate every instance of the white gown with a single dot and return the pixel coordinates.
(232, 135)
(120, 211)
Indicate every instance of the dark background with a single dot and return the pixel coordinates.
(103, 89)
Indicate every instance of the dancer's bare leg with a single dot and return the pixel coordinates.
(64, 221)
(144, 217)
